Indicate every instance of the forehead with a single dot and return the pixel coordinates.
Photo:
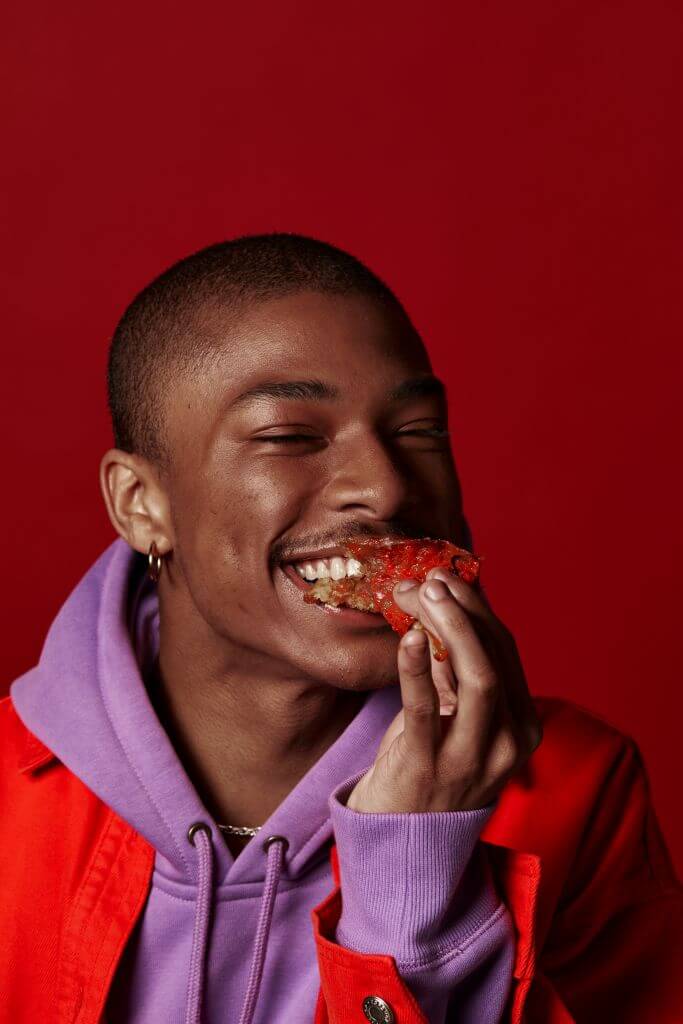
(355, 344)
(315, 334)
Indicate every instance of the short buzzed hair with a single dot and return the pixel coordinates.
(158, 334)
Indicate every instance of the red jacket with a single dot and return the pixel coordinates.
(574, 846)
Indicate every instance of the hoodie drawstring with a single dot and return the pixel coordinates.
(199, 836)
(275, 847)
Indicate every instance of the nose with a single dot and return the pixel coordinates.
(367, 479)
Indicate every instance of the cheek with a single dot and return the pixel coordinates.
(225, 523)
(256, 493)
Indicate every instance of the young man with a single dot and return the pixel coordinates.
(223, 804)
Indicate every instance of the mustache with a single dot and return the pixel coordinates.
(288, 549)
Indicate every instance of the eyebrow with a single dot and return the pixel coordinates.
(317, 390)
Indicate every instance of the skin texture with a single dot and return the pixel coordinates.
(252, 684)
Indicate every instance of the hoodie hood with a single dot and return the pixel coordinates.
(87, 701)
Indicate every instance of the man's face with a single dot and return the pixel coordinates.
(262, 480)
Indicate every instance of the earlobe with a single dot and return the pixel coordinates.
(135, 500)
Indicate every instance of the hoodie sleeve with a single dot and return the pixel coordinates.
(417, 887)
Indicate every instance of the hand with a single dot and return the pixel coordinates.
(468, 723)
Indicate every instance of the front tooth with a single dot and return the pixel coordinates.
(337, 568)
(309, 571)
(300, 569)
(322, 570)
(353, 568)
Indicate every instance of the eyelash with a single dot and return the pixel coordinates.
(282, 438)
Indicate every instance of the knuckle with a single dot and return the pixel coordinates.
(420, 708)
(484, 680)
(508, 758)
(470, 774)
(464, 773)
(423, 770)
(458, 626)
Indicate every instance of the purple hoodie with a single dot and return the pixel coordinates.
(225, 939)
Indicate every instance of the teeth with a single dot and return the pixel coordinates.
(335, 568)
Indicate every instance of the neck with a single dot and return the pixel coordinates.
(245, 738)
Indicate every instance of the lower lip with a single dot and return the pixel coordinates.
(350, 616)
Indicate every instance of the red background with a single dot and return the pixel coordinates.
(513, 170)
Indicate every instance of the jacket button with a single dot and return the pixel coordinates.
(377, 1011)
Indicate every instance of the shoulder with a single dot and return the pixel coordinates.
(25, 761)
(582, 753)
(13, 736)
(570, 729)
(584, 766)
(587, 766)
(21, 753)
(9, 719)
(38, 793)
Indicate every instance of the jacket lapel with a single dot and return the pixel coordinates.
(518, 877)
(106, 907)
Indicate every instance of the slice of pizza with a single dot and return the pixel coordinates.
(380, 565)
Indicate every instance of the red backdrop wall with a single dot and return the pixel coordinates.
(513, 170)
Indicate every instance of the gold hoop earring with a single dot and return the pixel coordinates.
(154, 560)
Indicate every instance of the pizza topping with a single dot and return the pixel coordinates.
(378, 565)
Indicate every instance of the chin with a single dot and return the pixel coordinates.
(349, 675)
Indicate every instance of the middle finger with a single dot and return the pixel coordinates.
(433, 604)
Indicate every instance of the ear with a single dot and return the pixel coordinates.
(136, 501)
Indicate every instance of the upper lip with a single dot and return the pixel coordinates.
(341, 550)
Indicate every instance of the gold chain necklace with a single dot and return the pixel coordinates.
(240, 830)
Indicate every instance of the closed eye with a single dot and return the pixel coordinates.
(282, 438)
(431, 432)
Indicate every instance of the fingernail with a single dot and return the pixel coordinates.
(414, 642)
(436, 591)
(405, 585)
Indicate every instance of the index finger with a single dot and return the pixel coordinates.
(421, 718)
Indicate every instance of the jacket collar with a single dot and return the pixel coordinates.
(517, 874)
(34, 754)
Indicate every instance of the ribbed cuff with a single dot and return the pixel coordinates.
(411, 887)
